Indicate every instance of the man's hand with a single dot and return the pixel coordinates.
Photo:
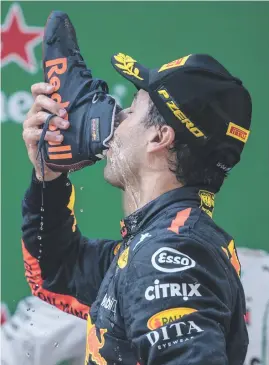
(35, 119)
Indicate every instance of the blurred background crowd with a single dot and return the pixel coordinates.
(235, 33)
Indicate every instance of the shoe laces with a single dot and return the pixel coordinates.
(40, 150)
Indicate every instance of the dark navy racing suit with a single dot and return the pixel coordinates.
(167, 293)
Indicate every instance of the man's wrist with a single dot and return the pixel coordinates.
(48, 175)
(54, 195)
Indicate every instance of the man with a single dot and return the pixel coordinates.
(169, 292)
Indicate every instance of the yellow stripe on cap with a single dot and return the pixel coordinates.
(237, 132)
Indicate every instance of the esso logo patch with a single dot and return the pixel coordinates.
(167, 259)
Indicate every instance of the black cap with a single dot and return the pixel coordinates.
(201, 100)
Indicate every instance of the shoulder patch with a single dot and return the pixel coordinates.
(207, 202)
(179, 220)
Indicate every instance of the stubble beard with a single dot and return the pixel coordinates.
(119, 173)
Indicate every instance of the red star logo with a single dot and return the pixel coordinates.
(18, 40)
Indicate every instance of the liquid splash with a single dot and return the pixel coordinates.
(121, 167)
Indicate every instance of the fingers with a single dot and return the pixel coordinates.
(41, 88)
(32, 132)
(39, 118)
(32, 135)
(36, 117)
(43, 102)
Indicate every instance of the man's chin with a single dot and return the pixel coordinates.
(111, 178)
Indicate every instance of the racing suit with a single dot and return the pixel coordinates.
(168, 293)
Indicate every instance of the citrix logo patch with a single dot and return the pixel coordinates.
(172, 290)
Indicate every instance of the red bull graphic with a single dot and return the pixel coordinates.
(94, 345)
(232, 256)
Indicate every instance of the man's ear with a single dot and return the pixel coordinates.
(160, 137)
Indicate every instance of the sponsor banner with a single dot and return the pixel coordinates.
(168, 290)
(15, 106)
(169, 260)
(18, 40)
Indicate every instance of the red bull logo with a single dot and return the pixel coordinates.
(232, 256)
(94, 345)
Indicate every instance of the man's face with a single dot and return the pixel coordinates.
(127, 153)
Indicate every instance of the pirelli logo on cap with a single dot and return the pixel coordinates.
(180, 62)
(237, 132)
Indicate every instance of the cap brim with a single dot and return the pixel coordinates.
(131, 70)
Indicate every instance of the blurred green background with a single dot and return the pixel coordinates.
(154, 33)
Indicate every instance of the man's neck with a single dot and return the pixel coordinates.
(151, 187)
